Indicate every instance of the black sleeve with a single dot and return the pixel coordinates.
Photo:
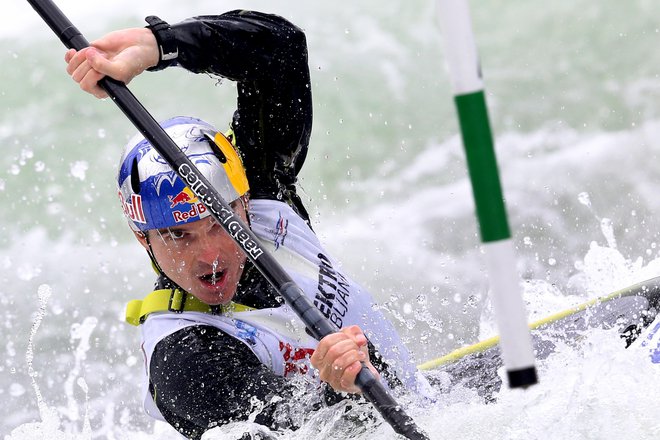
(201, 378)
(267, 56)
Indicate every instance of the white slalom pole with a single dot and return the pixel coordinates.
(467, 84)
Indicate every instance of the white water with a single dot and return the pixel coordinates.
(573, 90)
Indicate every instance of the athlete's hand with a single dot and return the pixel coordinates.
(338, 358)
(121, 55)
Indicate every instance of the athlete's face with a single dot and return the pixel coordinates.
(200, 257)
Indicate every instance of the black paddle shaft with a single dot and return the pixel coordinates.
(313, 319)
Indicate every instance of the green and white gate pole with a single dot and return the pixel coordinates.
(464, 69)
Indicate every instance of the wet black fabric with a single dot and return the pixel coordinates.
(202, 378)
(267, 56)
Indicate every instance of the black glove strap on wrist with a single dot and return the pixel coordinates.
(167, 47)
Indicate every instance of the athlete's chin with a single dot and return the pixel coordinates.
(212, 296)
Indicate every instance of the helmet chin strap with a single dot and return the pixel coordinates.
(245, 202)
(152, 257)
(163, 280)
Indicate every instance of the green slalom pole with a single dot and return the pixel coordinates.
(465, 73)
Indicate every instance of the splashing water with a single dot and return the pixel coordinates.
(577, 142)
(79, 169)
(583, 198)
(608, 231)
(81, 332)
(50, 424)
(214, 273)
(50, 420)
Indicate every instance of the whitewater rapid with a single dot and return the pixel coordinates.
(573, 91)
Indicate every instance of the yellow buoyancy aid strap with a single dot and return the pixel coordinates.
(175, 301)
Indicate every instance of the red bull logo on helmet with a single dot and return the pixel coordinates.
(133, 209)
(189, 206)
(182, 198)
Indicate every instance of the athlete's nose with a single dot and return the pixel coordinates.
(209, 250)
(214, 244)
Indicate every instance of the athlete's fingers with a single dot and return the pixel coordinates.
(68, 55)
(88, 78)
(341, 375)
(79, 73)
(343, 361)
(324, 345)
(340, 356)
(74, 59)
(355, 332)
(352, 332)
(90, 84)
(347, 380)
(340, 378)
(104, 66)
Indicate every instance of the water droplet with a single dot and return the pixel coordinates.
(16, 390)
(11, 351)
(82, 384)
(607, 229)
(28, 272)
(79, 169)
(583, 198)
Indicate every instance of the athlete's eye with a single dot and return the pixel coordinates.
(176, 234)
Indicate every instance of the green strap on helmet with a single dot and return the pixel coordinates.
(174, 301)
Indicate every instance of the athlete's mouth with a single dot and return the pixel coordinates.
(213, 278)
